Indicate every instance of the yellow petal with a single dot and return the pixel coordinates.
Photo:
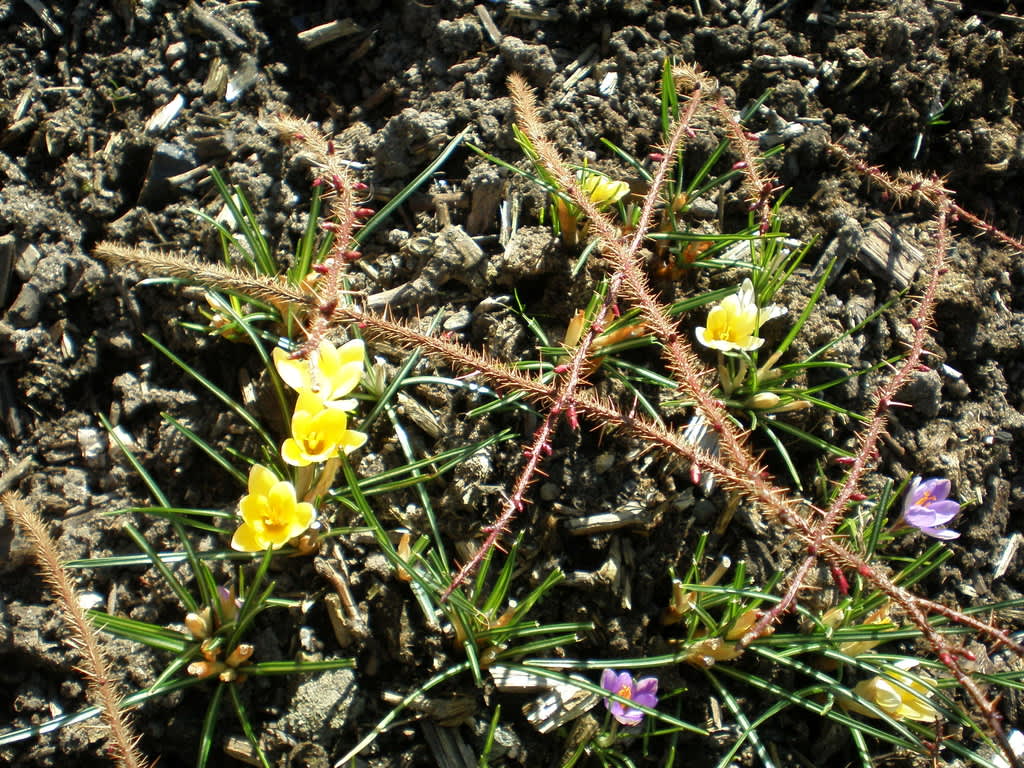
(281, 500)
(603, 191)
(339, 369)
(292, 453)
(326, 355)
(309, 402)
(886, 696)
(353, 439)
(333, 422)
(341, 405)
(915, 708)
(246, 540)
(750, 343)
(293, 372)
(261, 480)
(305, 515)
(718, 322)
(278, 536)
(253, 507)
(744, 321)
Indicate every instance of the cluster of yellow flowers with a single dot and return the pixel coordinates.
(271, 513)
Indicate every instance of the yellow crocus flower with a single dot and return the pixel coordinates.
(733, 323)
(900, 703)
(271, 515)
(330, 373)
(319, 432)
(601, 190)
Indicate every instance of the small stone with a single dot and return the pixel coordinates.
(321, 706)
(923, 392)
(24, 312)
(604, 462)
(176, 51)
(549, 491)
(460, 35)
(704, 512)
(308, 641)
(90, 600)
(92, 442)
(458, 321)
(27, 259)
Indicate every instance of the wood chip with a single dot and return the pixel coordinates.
(213, 28)
(447, 746)
(314, 37)
(889, 253)
(489, 26)
(1006, 556)
(517, 680)
(240, 749)
(216, 79)
(532, 11)
(609, 521)
(165, 115)
(580, 67)
(562, 704)
(44, 15)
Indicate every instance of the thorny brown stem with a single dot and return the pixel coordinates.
(758, 186)
(563, 403)
(334, 176)
(631, 278)
(693, 380)
(867, 441)
(923, 191)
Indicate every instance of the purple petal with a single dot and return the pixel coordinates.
(646, 700)
(644, 687)
(624, 680)
(946, 507)
(945, 534)
(608, 680)
(936, 513)
(627, 716)
(933, 489)
(911, 498)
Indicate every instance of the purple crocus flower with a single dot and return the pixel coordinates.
(926, 507)
(643, 692)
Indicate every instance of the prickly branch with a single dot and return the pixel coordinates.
(924, 192)
(343, 209)
(102, 685)
(758, 185)
(572, 373)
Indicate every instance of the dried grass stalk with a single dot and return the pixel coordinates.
(103, 690)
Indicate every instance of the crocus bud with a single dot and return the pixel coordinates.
(205, 668)
(762, 401)
(229, 604)
(240, 655)
(199, 624)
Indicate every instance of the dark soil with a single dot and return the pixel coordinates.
(79, 165)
